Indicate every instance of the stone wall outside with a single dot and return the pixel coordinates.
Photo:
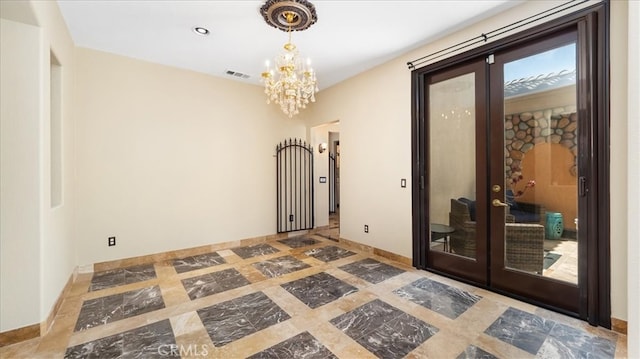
(525, 130)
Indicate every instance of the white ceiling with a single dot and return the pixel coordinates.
(349, 37)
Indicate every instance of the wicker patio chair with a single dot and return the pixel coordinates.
(523, 212)
(524, 245)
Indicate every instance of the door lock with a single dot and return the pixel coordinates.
(496, 188)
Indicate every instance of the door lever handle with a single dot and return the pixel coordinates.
(497, 203)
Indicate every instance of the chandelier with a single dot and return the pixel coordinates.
(293, 83)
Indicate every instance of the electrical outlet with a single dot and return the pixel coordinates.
(366, 228)
(111, 241)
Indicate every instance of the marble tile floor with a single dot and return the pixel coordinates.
(119, 306)
(120, 276)
(277, 300)
(329, 253)
(198, 261)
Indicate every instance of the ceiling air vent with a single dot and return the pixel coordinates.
(237, 74)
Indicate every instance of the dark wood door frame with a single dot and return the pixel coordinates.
(594, 77)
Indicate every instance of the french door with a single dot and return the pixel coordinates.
(533, 172)
(507, 171)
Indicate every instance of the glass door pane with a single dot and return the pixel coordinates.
(455, 159)
(452, 165)
(540, 137)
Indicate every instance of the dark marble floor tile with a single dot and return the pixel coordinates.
(568, 342)
(121, 276)
(303, 346)
(430, 285)
(384, 330)
(366, 318)
(229, 329)
(278, 266)
(521, 329)
(255, 250)
(96, 312)
(151, 341)
(298, 242)
(603, 347)
(371, 270)
(197, 262)
(107, 279)
(329, 253)
(201, 286)
(218, 312)
(397, 338)
(441, 298)
(473, 352)
(260, 310)
(212, 283)
(108, 309)
(412, 329)
(230, 279)
(107, 347)
(141, 301)
(139, 273)
(234, 319)
(319, 289)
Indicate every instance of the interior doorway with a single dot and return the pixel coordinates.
(334, 184)
(326, 139)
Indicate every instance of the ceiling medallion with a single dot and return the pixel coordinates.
(289, 15)
(293, 83)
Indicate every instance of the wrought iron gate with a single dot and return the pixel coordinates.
(332, 183)
(294, 161)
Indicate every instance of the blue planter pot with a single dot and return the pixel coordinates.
(554, 225)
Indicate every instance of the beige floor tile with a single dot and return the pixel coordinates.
(339, 343)
(26, 349)
(444, 344)
(186, 323)
(499, 348)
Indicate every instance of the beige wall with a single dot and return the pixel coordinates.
(59, 256)
(375, 107)
(171, 159)
(37, 254)
(619, 153)
(20, 217)
(633, 178)
(375, 153)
